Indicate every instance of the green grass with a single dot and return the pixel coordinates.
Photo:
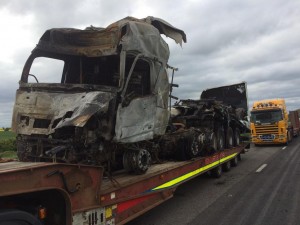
(7, 142)
(8, 155)
(5, 135)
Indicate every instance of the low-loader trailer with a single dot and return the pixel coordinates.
(97, 141)
(65, 194)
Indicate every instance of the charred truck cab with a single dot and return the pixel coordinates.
(103, 95)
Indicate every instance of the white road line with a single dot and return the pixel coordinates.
(261, 168)
(284, 148)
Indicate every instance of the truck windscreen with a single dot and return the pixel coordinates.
(268, 116)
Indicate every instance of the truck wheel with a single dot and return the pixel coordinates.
(137, 161)
(216, 172)
(290, 135)
(237, 137)
(193, 147)
(229, 137)
(220, 139)
(17, 217)
(226, 166)
(234, 162)
(213, 141)
(287, 138)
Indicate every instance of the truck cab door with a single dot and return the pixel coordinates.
(136, 112)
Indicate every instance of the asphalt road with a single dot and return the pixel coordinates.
(264, 189)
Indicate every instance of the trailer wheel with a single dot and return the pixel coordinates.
(17, 217)
(136, 161)
(237, 138)
(216, 172)
(226, 166)
(229, 137)
(234, 161)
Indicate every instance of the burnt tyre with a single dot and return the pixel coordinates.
(213, 142)
(220, 139)
(226, 166)
(229, 137)
(234, 161)
(237, 137)
(193, 148)
(136, 161)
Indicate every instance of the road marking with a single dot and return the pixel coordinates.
(261, 168)
(284, 148)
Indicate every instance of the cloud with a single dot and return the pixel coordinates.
(227, 41)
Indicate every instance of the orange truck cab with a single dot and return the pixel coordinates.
(269, 122)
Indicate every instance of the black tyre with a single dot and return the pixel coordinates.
(290, 136)
(137, 161)
(226, 166)
(17, 217)
(216, 172)
(236, 137)
(234, 161)
(229, 137)
(193, 148)
(213, 142)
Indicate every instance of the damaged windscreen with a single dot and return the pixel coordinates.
(67, 69)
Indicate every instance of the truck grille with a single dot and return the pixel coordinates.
(266, 129)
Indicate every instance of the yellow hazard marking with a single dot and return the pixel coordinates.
(228, 157)
(193, 173)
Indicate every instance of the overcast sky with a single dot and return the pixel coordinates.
(228, 41)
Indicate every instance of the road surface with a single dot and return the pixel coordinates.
(264, 189)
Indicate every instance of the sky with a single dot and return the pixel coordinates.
(228, 42)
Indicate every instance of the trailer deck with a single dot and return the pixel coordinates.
(128, 196)
(90, 196)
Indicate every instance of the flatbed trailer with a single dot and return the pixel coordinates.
(54, 193)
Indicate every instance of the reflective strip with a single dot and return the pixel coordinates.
(191, 174)
(228, 157)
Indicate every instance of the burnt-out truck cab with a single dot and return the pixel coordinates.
(96, 96)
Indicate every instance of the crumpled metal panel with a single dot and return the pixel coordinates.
(136, 121)
(234, 95)
(146, 39)
(74, 109)
(142, 35)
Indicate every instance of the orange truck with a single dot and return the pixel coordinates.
(269, 122)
